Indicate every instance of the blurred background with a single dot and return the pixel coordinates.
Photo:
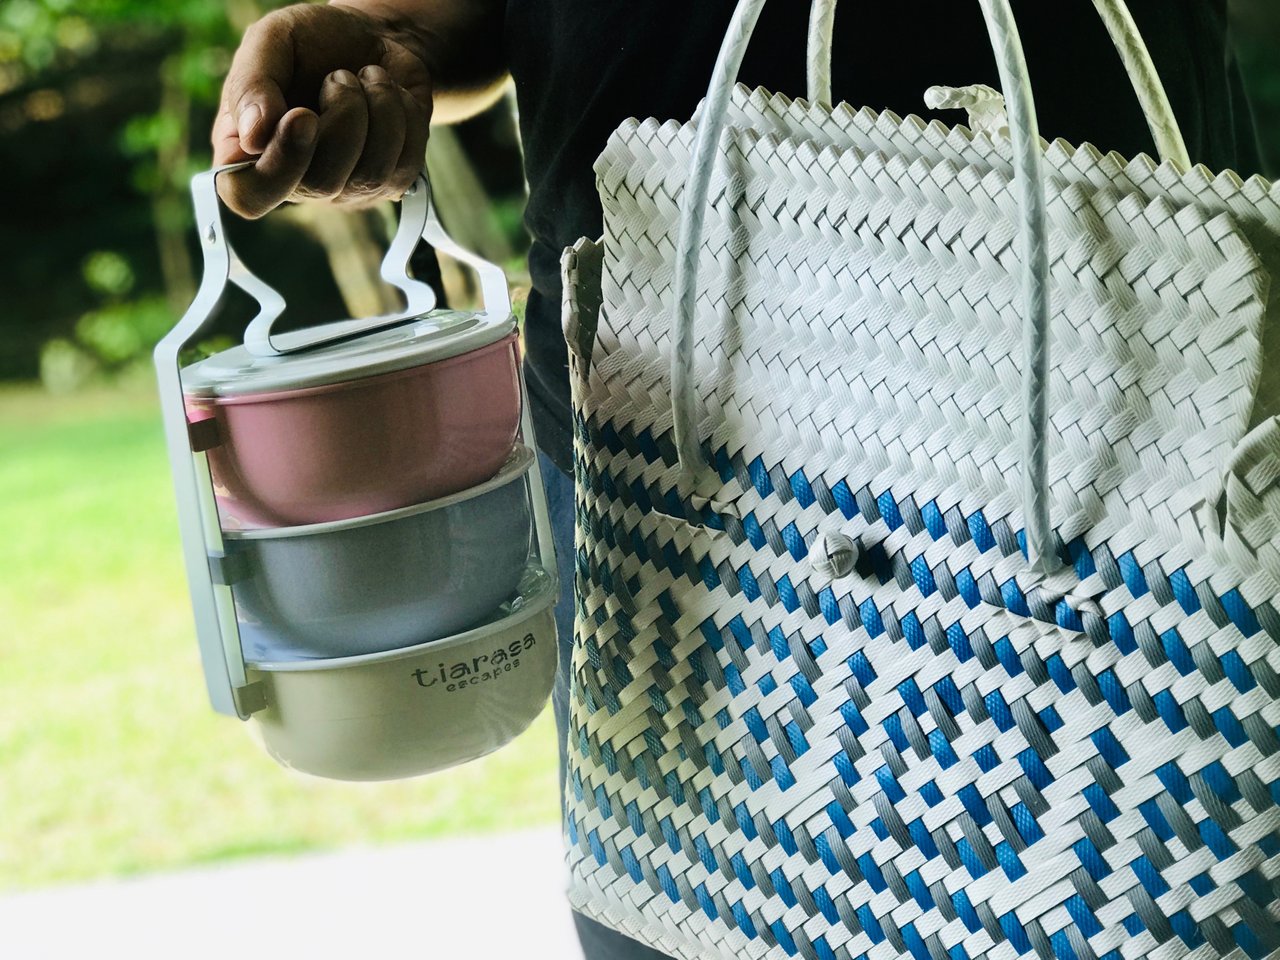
(111, 763)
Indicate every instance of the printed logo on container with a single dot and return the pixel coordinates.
(461, 674)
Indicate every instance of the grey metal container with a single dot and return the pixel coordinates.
(386, 581)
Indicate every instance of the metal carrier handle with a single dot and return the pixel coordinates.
(1033, 232)
(418, 221)
(217, 629)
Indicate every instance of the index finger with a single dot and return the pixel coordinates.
(226, 141)
(253, 93)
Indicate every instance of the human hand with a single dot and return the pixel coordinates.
(332, 103)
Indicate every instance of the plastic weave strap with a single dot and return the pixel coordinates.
(1028, 162)
(1029, 171)
(822, 19)
(1146, 81)
(1119, 22)
(693, 214)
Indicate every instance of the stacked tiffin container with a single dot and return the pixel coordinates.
(363, 521)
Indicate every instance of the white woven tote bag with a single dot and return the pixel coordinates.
(927, 526)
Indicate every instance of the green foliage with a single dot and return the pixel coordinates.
(43, 36)
(144, 76)
(119, 333)
(30, 32)
(110, 338)
(108, 273)
(149, 132)
(105, 342)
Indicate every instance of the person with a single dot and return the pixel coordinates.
(334, 102)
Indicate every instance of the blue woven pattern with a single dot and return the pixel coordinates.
(924, 780)
(1114, 572)
(819, 709)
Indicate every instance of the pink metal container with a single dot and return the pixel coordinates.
(332, 451)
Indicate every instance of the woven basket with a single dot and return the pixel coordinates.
(870, 658)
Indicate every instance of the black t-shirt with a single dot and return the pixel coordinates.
(581, 67)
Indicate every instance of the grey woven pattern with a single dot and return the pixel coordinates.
(580, 268)
(1253, 204)
(857, 353)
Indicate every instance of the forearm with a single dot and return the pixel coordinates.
(459, 40)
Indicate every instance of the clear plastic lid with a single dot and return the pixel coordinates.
(434, 336)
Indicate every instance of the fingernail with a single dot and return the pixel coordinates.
(374, 74)
(249, 118)
(344, 77)
(305, 129)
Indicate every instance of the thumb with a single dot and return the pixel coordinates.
(253, 95)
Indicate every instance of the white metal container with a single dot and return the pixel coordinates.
(399, 707)
(385, 716)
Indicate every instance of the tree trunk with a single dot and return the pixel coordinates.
(354, 253)
(466, 211)
(168, 201)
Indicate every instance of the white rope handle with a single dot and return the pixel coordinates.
(822, 26)
(1125, 35)
(1028, 164)
(693, 212)
(1028, 167)
(1128, 41)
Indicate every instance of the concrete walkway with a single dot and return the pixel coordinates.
(486, 898)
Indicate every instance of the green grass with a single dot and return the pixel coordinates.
(111, 761)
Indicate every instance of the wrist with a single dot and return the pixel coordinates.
(392, 22)
(458, 41)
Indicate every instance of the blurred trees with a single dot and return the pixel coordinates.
(105, 107)
(98, 100)
(1256, 25)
